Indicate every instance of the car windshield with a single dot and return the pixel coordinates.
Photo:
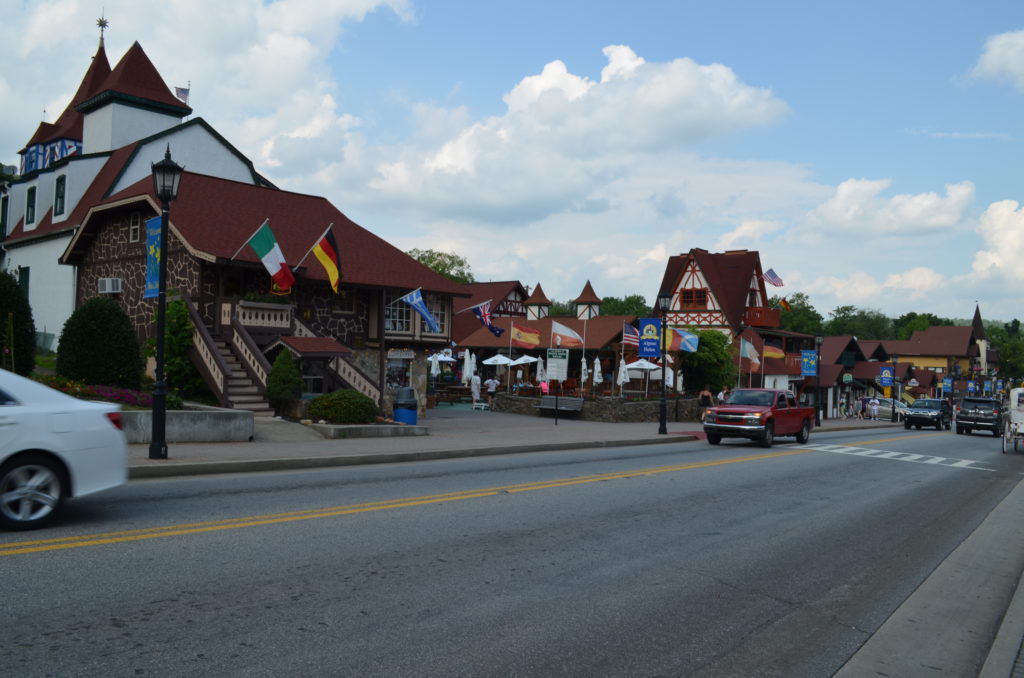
(763, 398)
(928, 404)
(979, 404)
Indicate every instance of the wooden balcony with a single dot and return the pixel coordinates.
(761, 316)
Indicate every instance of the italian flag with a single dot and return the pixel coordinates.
(266, 248)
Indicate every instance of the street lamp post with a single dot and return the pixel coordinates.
(817, 379)
(166, 178)
(664, 300)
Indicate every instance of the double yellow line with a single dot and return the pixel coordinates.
(81, 541)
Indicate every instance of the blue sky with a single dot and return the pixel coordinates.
(869, 151)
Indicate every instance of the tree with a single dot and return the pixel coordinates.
(98, 346)
(284, 383)
(17, 329)
(802, 317)
(711, 364)
(634, 304)
(908, 323)
(562, 308)
(448, 264)
(863, 324)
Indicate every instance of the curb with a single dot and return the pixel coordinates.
(172, 469)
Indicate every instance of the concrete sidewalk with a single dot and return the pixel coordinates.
(454, 431)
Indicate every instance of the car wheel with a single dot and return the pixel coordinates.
(906, 425)
(996, 432)
(31, 492)
(769, 436)
(959, 430)
(714, 438)
(917, 426)
(949, 424)
(805, 433)
(967, 431)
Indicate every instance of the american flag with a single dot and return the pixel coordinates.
(182, 93)
(770, 276)
(630, 335)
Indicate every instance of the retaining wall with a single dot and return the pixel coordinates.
(606, 409)
(191, 426)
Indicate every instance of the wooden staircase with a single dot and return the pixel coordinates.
(242, 392)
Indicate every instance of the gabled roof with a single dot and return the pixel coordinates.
(728, 275)
(832, 349)
(587, 296)
(537, 298)
(942, 340)
(135, 81)
(69, 124)
(977, 325)
(601, 331)
(465, 323)
(214, 217)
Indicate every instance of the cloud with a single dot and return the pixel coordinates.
(1001, 228)
(863, 289)
(747, 235)
(1003, 59)
(856, 208)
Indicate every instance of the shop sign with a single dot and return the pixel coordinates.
(847, 378)
(401, 354)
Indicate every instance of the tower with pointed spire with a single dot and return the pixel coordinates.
(537, 305)
(588, 304)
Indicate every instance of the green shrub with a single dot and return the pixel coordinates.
(17, 329)
(98, 346)
(343, 407)
(284, 383)
(182, 376)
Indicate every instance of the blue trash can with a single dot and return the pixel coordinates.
(406, 406)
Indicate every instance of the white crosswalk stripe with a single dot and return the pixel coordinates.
(900, 456)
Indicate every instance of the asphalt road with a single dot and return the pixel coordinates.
(675, 560)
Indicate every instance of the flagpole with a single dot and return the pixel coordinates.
(265, 221)
(474, 306)
(508, 383)
(315, 243)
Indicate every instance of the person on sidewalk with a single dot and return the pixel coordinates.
(873, 404)
(706, 400)
(492, 387)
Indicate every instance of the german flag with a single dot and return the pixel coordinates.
(326, 250)
(524, 337)
(773, 352)
(785, 304)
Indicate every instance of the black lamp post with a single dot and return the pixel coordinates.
(817, 379)
(895, 388)
(166, 177)
(664, 301)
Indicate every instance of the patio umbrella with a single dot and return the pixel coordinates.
(583, 373)
(467, 367)
(598, 377)
(435, 365)
(524, 360)
(645, 366)
(541, 372)
(498, 360)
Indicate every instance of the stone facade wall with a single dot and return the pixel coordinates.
(614, 410)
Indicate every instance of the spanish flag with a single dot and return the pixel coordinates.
(524, 337)
(326, 250)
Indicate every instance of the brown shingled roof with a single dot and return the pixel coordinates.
(728, 275)
(314, 347)
(537, 297)
(464, 322)
(601, 331)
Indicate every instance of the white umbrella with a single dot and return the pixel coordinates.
(623, 377)
(644, 366)
(583, 373)
(498, 360)
(472, 364)
(524, 360)
(467, 367)
(541, 372)
(435, 366)
(598, 377)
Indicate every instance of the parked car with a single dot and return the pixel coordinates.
(929, 412)
(978, 412)
(53, 447)
(885, 409)
(760, 414)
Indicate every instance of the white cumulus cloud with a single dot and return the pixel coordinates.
(1003, 59)
(1001, 228)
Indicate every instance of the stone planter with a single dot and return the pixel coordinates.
(611, 409)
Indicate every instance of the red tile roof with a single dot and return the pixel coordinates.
(537, 297)
(728, 276)
(588, 296)
(135, 79)
(214, 217)
(314, 347)
(465, 323)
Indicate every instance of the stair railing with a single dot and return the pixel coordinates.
(206, 357)
(249, 354)
(355, 378)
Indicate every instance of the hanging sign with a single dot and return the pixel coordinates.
(650, 338)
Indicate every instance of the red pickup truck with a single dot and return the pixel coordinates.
(759, 414)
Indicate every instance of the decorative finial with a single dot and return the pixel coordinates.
(102, 23)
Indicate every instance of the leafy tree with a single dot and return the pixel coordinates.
(448, 264)
(908, 323)
(179, 371)
(562, 308)
(284, 383)
(863, 324)
(712, 363)
(98, 346)
(634, 304)
(802, 317)
(17, 329)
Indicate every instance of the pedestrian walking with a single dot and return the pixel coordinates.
(706, 400)
(873, 404)
(492, 387)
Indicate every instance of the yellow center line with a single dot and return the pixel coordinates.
(105, 538)
(862, 443)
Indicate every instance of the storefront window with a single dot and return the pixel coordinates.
(397, 316)
(439, 309)
(399, 373)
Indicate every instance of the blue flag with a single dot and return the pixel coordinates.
(152, 258)
(415, 299)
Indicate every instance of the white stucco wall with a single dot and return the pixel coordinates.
(195, 148)
(116, 125)
(51, 287)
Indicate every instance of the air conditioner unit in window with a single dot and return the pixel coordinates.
(110, 285)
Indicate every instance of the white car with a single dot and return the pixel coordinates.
(52, 447)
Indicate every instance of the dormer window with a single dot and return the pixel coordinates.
(59, 193)
(30, 206)
(693, 298)
(134, 227)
